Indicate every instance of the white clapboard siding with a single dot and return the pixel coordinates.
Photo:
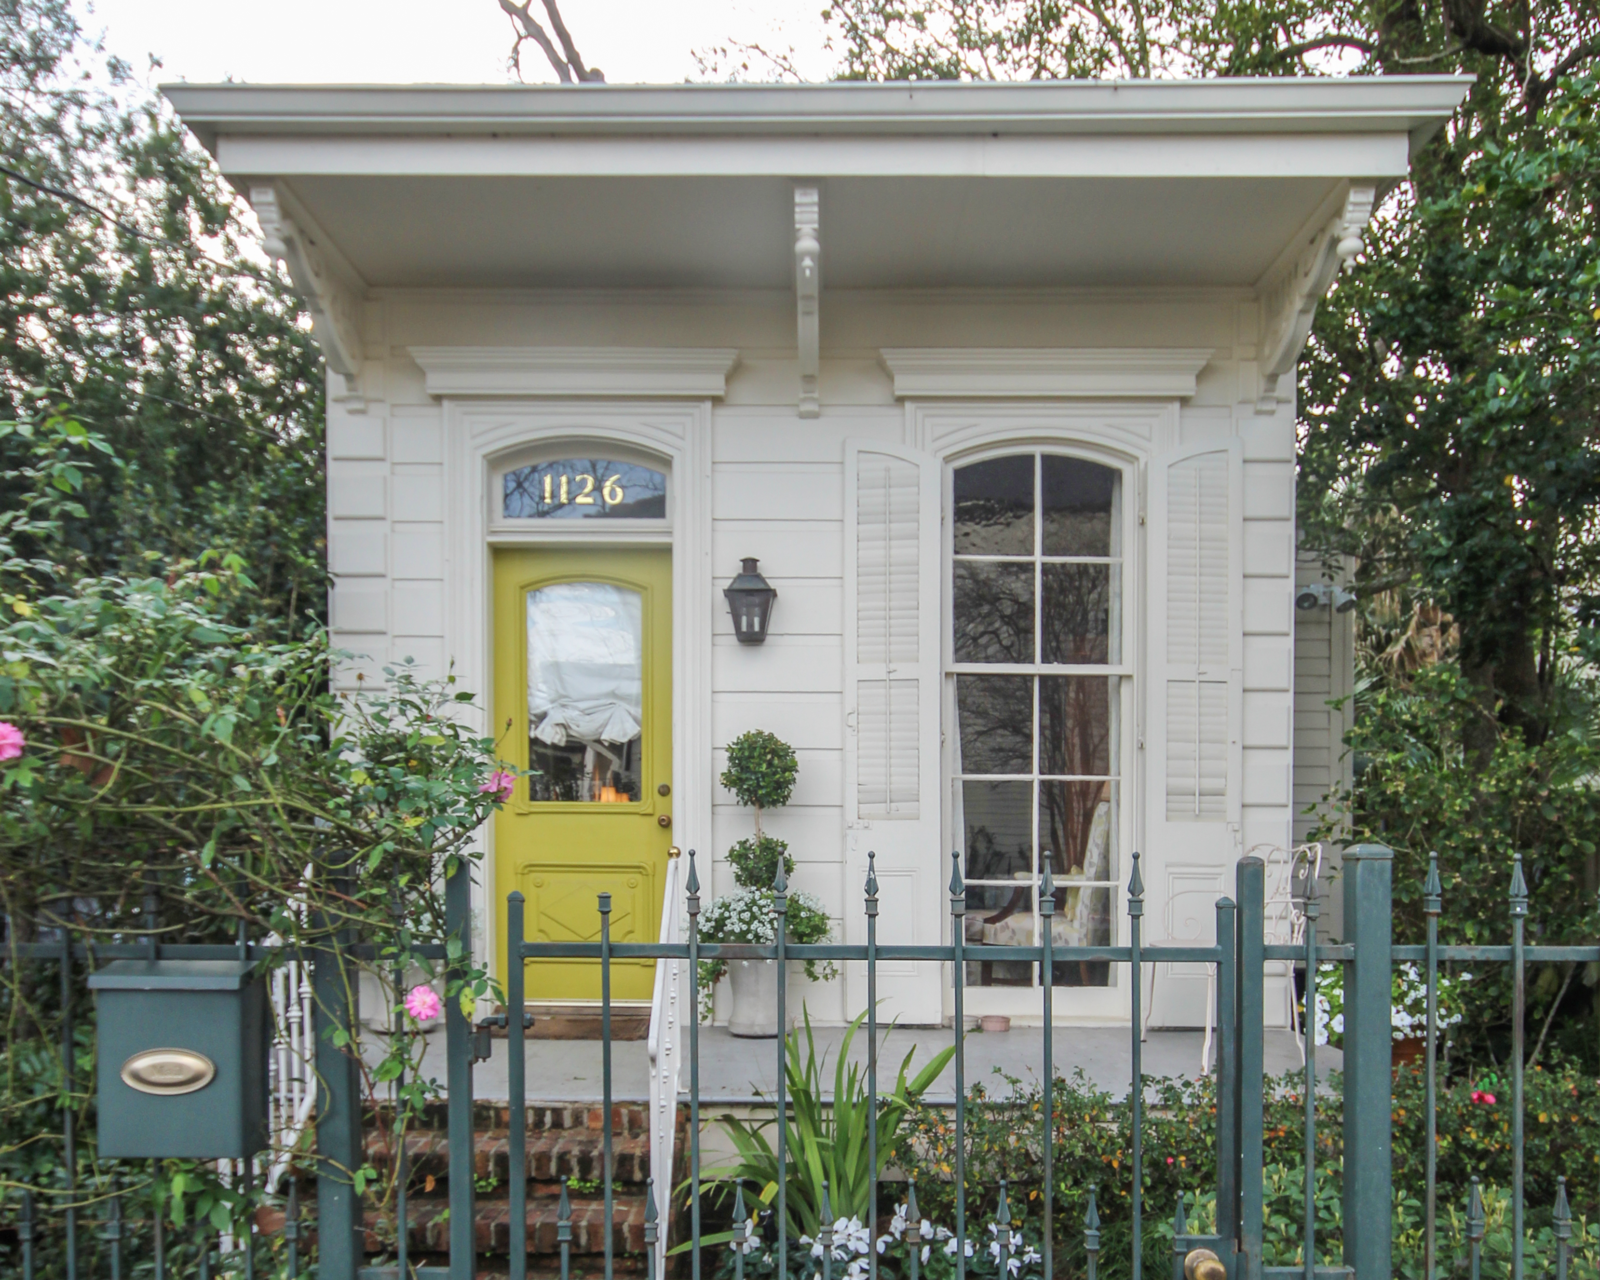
(1194, 726)
(891, 711)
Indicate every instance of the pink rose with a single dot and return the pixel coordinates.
(423, 1003)
(11, 741)
(1487, 1099)
(500, 785)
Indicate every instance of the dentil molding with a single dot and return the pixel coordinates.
(1045, 372)
(667, 372)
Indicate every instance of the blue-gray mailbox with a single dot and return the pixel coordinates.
(183, 1059)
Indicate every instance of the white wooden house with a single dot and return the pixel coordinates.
(996, 382)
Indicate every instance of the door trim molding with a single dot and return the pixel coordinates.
(479, 432)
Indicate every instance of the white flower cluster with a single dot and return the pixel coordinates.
(852, 1241)
(746, 916)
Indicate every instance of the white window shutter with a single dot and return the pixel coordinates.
(1194, 705)
(1196, 639)
(891, 710)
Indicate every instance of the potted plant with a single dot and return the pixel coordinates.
(761, 773)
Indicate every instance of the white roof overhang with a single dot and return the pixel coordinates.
(1248, 184)
(937, 184)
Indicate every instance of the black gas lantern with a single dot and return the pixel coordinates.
(750, 598)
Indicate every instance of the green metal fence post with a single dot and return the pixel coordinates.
(1250, 888)
(339, 1103)
(458, 1070)
(1227, 1083)
(1368, 1056)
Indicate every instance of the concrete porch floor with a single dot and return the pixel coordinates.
(734, 1070)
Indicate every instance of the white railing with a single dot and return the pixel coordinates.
(294, 1082)
(666, 1015)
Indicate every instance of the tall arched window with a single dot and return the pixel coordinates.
(1036, 592)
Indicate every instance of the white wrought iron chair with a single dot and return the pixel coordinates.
(1191, 919)
(1284, 915)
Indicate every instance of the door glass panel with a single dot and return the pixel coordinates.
(585, 692)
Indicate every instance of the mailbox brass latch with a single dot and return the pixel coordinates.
(168, 1072)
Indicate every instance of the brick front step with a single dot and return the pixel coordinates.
(428, 1226)
(553, 1154)
(628, 1118)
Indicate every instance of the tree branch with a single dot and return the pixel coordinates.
(531, 30)
(587, 75)
(1300, 50)
(1540, 87)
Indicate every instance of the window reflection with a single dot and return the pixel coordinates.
(994, 508)
(1036, 583)
(585, 692)
(993, 611)
(996, 723)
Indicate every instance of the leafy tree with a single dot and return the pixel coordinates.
(133, 286)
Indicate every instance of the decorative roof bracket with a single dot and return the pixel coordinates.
(1290, 293)
(334, 309)
(807, 292)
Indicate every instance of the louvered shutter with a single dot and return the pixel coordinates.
(1200, 626)
(1194, 708)
(891, 712)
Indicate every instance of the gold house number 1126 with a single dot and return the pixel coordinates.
(610, 490)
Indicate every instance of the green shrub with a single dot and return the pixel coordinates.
(761, 772)
(1092, 1138)
(755, 861)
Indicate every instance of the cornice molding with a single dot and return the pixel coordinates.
(335, 311)
(700, 373)
(1043, 372)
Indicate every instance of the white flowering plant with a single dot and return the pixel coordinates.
(746, 915)
(851, 1245)
(1408, 1005)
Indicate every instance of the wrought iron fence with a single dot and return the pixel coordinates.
(1235, 1247)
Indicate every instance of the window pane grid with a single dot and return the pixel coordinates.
(1041, 526)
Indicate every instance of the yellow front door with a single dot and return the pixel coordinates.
(583, 677)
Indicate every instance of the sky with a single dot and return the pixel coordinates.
(462, 41)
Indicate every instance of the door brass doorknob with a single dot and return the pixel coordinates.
(664, 820)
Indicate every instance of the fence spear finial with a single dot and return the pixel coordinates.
(872, 883)
(1433, 887)
(1519, 888)
(692, 887)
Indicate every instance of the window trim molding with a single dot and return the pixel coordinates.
(1120, 433)
(481, 438)
(699, 373)
(1054, 372)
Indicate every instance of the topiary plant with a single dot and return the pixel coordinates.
(755, 861)
(761, 772)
